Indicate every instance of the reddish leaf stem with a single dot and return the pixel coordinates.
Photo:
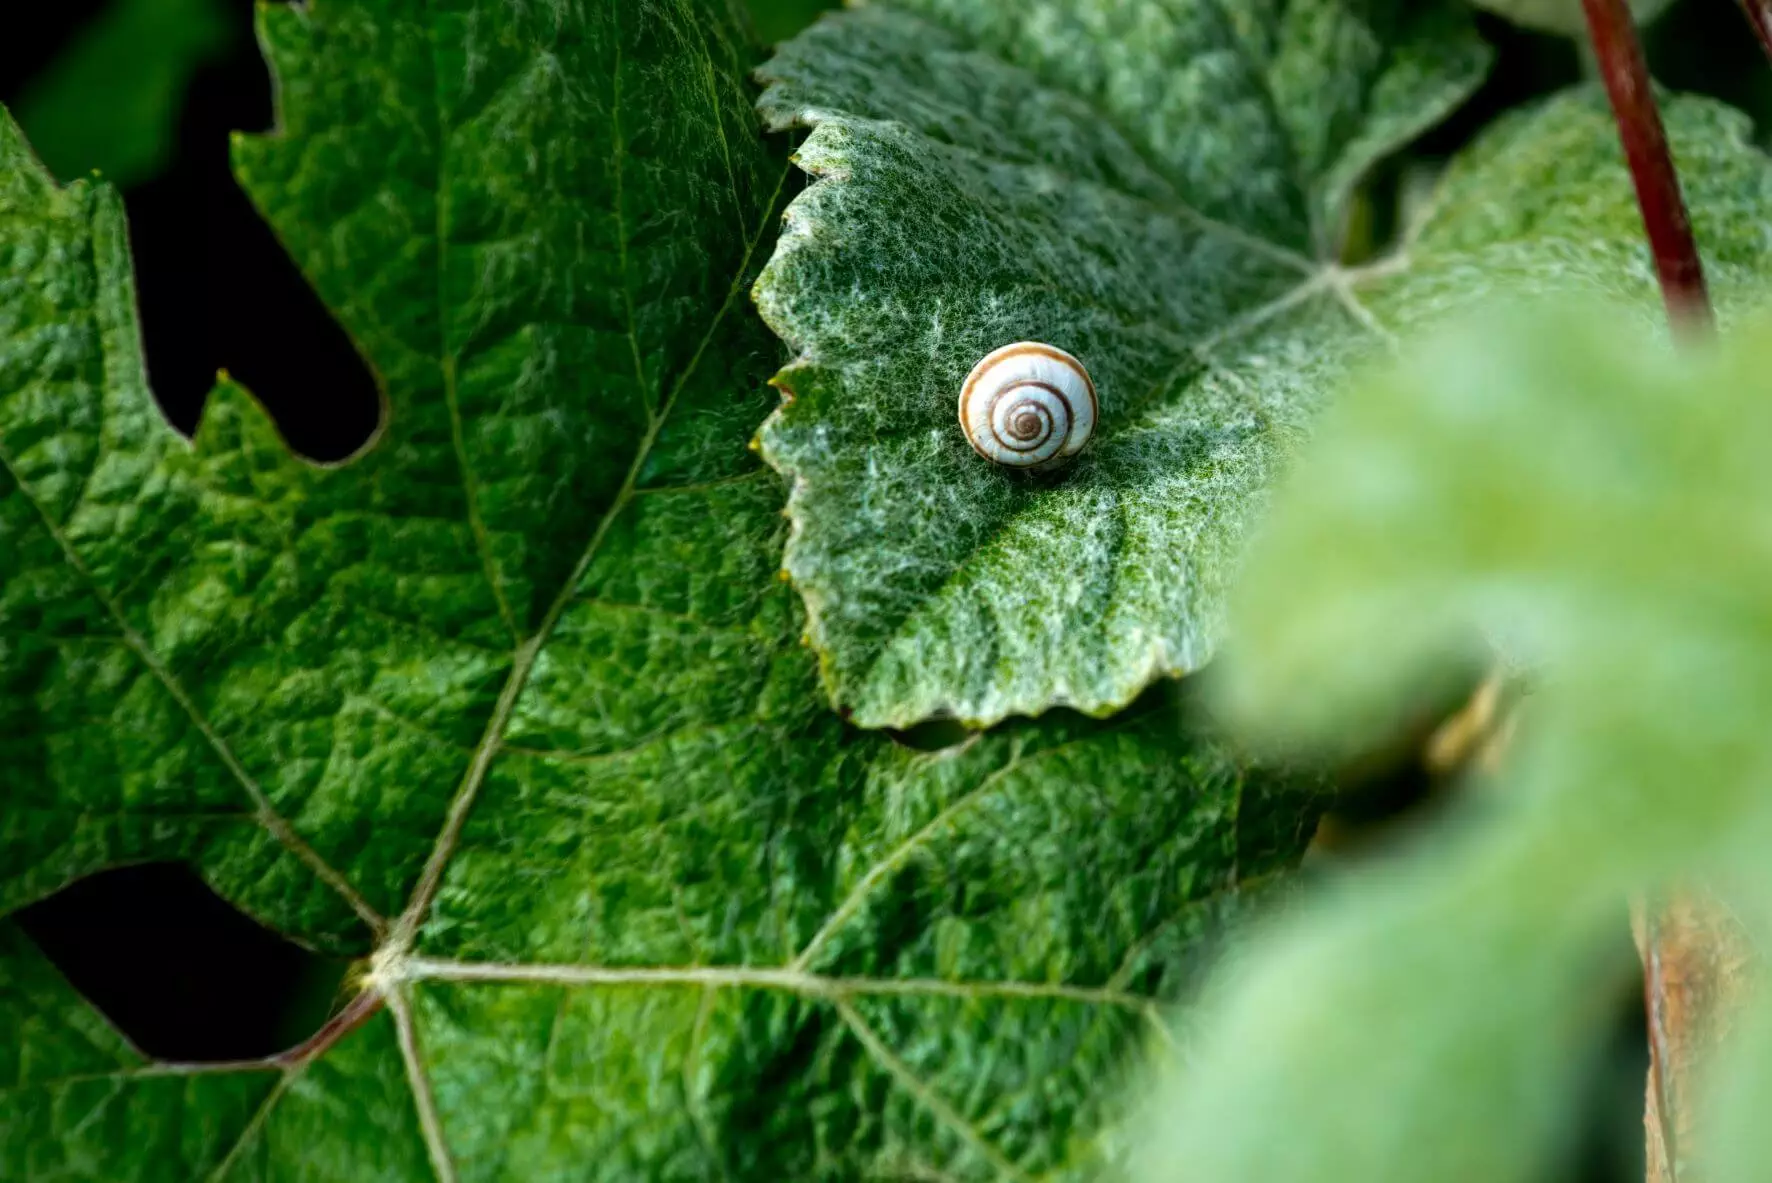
(1759, 15)
(359, 1011)
(1626, 74)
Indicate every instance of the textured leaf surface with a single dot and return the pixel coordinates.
(1140, 184)
(514, 703)
(1569, 486)
(1154, 187)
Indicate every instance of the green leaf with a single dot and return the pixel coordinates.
(514, 703)
(110, 103)
(1118, 191)
(1571, 488)
(777, 20)
(1146, 185)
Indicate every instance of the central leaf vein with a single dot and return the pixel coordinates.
(486, 751)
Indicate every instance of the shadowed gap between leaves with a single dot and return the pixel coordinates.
(53, 27)
(1184, 697)
(178, 970)
(1608, 1142)
(215, 289)
(218, 292)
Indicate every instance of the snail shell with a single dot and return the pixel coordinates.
(1028, 406)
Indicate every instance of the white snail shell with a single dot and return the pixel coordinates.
(1028, 405)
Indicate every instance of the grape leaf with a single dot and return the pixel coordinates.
(514, 703)
(1154, 187)
(1141, 184)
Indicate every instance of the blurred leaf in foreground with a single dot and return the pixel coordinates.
(1596, 507)
(111, 102)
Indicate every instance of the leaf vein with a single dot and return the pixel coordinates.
(430, 1123)
(924, 1095)
(492, 738)
(897, 858)
(265, 813)
(782, 978)
(1177, 205)
(252, 1127)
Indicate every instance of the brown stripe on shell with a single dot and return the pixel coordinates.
(1015, 445)
(1052, 353)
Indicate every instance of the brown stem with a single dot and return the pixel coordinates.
(1698, 972)
(358, 1011)
(1759, 15)
(1626, 75)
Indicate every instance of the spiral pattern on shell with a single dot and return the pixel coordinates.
(1028, 405)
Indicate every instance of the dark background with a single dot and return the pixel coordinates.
(217, 292)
